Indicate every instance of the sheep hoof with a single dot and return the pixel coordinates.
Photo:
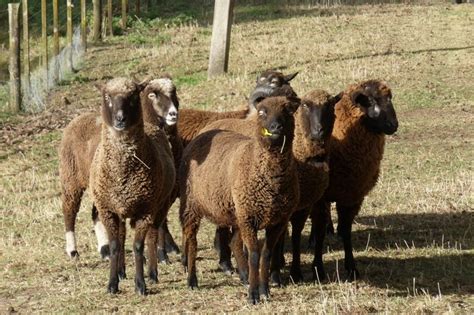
(192, 281)
(112, 288)
(163, 257)
(264, 291)
(171, 248)
(153, 275)
(105, 252)
(122, 275)
(74, 254)
(352, 274)
(296, 275)
(140, 286)
(254, 296)
(275, 278)
(226, 267)
(244, 277)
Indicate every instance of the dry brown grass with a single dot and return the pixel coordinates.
(413, 239)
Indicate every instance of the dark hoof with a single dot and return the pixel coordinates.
(162, 257)
(171, 247)
(254, 296)
(74, 254)
(226, 267)
(319, 274)
(275, 278)
(353, 274)
(264, 291)
(140, 286)
(153, 275)
(244, 277)
(122, 274)
(112, 287)
(296, 275)
(192, 282)
(105, 252)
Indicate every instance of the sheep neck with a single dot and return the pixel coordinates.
(303, 147)
(271, 162)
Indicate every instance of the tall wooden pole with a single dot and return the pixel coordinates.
(14, 67)
(109, 18)
(124, 14)
(97, 7)
(69, 33)
(44, 36)
(26, 46)
(56, 38)
(220, 42)
(83, 25)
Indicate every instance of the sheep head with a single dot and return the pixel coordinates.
(374, 98)
(121, 103)
(275, 122)
(271, 83)
(161, 93)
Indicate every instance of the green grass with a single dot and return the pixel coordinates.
(414, 237)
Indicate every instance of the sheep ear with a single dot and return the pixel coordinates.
(294, 103)
(336, 98)
(290, 77)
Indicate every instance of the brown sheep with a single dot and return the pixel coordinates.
(313, 125)
(364, 115)
(77, 148)
(192, 121)
(132, 176)
(247, 183)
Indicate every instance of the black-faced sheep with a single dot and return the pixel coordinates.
(78, 145)
(132, 176)
(247, 183)
(192, 121)
(364, 115)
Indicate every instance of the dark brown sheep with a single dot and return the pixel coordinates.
(364, 115)
(192, 121)
(132, 176)
(247, 183)
(78, 145)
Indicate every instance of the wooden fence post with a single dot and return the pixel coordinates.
(109, 18)
(56, 38)
(124, 14)
(97, 36)
(15, 80)
(220, 42)
(44, 35)
(83, 25)
(26, 47)
(69, 33)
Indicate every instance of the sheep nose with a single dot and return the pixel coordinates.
(276, 127)
(317, 134)
(120, 117)
(173, 113)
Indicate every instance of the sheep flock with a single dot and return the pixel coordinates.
(278, 161)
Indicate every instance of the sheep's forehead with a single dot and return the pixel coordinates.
(316, 98)
(165, 85)
(120, 86)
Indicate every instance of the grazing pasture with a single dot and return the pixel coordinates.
(413, 239)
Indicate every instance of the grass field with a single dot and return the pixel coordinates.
(413, 239)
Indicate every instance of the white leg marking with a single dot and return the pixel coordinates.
(101, 234)
(70, 242)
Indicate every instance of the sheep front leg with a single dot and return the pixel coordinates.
(151, 241)
(249, 237)
(319, 223)
(272, 236)
(122, 234)
(111, 223)
(141, 228)
(100, 234)
(346, 216)
(298, 220)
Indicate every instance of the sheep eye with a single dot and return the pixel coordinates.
(152, 96)
(275, 81)
(305, 105)
(261, 112)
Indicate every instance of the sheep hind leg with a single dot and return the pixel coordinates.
(298, 221)
(329, 227)
(161, 250)
(273, 235)
(190, 230)
(170, 244)
(101, 235)
(346, 216)
(240, 257)
(142, 226)
(319, 218)
(224, 236)
(71, 201)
